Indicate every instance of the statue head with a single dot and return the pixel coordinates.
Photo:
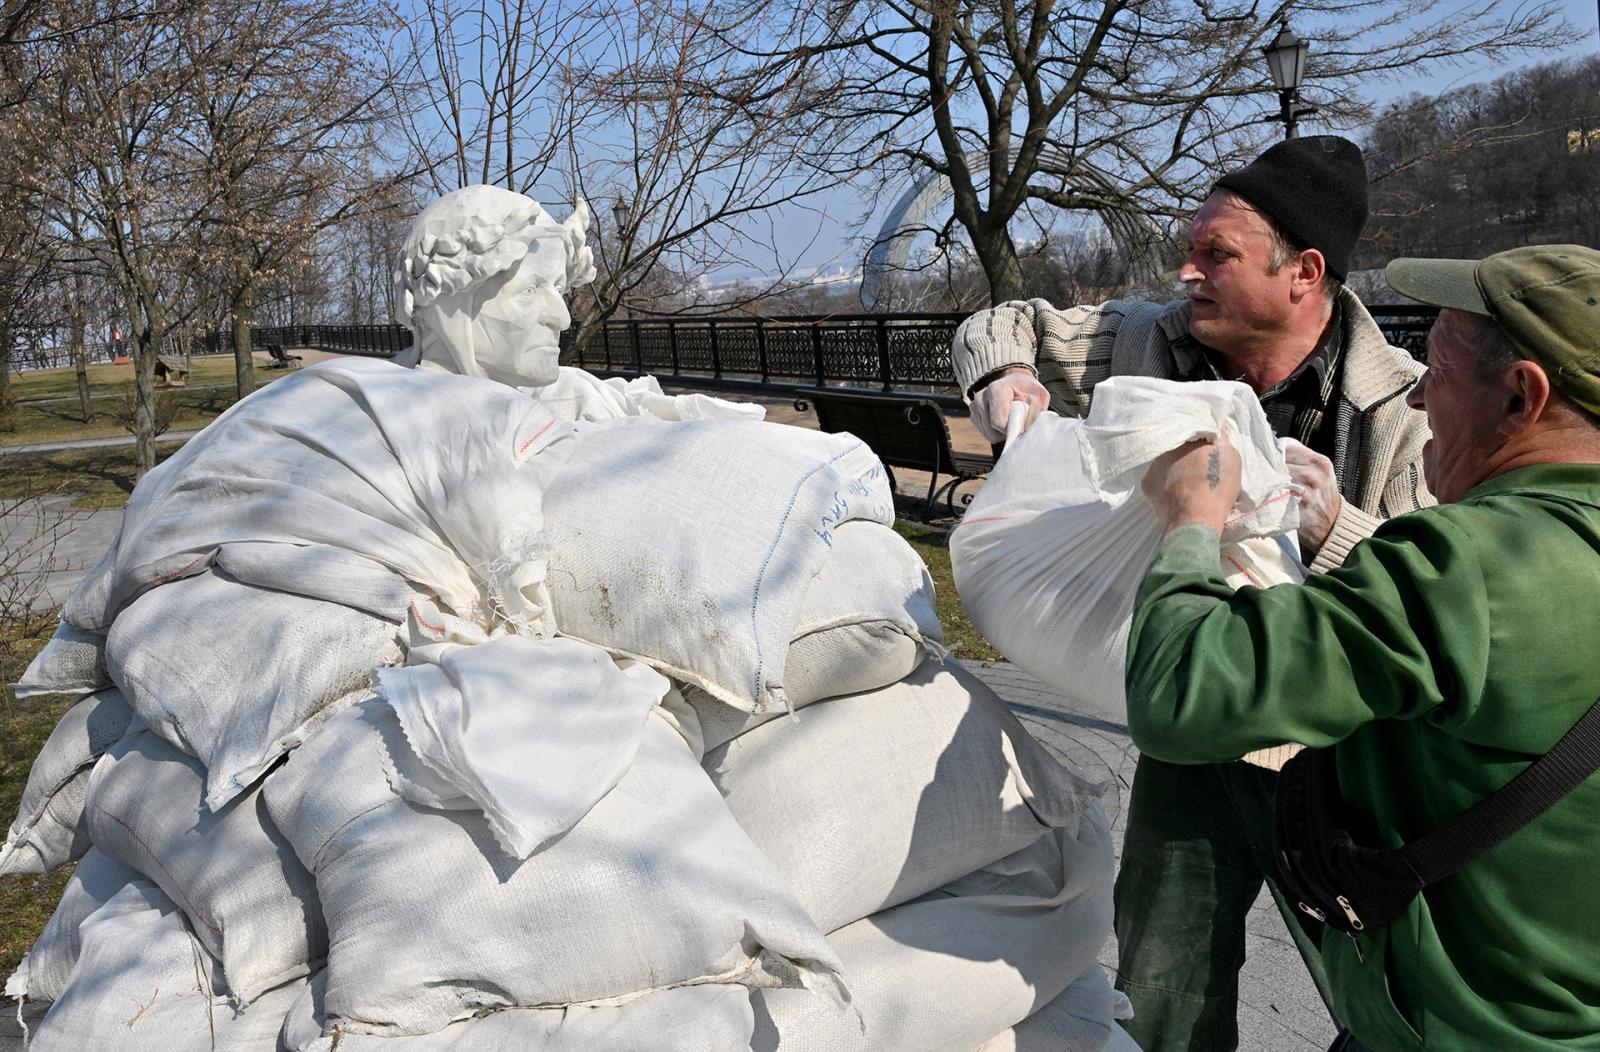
(481, 283)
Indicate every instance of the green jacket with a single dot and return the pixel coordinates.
(1451, 648)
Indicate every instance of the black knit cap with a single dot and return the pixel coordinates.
(1316, 190)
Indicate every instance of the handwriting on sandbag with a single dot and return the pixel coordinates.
(857, 488)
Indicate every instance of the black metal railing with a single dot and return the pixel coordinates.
(379, 341)
(893, 353)
(884, 352)
(1406, 327)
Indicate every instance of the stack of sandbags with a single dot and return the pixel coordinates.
(963, 874)
(342, 796)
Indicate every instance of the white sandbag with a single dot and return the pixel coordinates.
(48, 830)
(247, 897)
(320, 571)
(480, 718)
(867, 619)
(73, 662)
(1050, 555)
(231, 673)
(435, 476)
(580, 395)
(142, 983)
(947, 972)
(713, 1017)
(690, 545)
(1082, 1019)
(44, 970)
(656, 887)
(868, 801)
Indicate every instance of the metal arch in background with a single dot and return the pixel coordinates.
(1134, 235)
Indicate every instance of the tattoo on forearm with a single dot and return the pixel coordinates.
(1214, 469)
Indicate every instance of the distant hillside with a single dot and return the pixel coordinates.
(1488, 167)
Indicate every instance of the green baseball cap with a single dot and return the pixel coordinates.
(1546, 298)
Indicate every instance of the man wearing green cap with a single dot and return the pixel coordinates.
(1264, 304)
(1451, 650)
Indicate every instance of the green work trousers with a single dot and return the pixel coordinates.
(1197, 848)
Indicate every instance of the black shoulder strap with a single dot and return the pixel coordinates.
(1489, 821)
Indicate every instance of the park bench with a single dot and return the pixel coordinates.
(281, 359)
(904, 433)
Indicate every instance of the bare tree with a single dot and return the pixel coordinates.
(291, 108)
(1488, 167)
(109, 122)
(191, 148)
(615, 103)
(705, 175)
(485, 101)
(1114, 106)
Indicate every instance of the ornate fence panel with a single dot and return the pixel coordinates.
(378, 341)
(907, 353)
(886, 352)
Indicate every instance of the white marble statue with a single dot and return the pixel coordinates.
(481, 282)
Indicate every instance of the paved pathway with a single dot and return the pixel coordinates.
(92, 443)
(46, 547)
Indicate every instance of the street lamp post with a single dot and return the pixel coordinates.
(1286, 58)
(622, 212)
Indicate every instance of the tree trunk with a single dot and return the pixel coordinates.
(998, 257)
(243, 312)
(8, 407)
(80, 355)
(146, 325)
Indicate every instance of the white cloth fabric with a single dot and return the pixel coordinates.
(580, 395)
(48, 830)
(868, 801)
(232, 674)
(713, 1017)
(947, 972)
(656, 887)
(142, 983)
(480, 718)
(238, 882)
(1051, 552)
(435, 476)
(45, 968)
(1083, 1018)
(73, 662)
(690, 545)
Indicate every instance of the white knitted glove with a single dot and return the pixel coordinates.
(992, 405)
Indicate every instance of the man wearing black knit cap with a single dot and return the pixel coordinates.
(1264, 304)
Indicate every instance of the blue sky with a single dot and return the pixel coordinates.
(830, 251)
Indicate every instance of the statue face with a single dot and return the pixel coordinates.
(506, 328)
(516, 326)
